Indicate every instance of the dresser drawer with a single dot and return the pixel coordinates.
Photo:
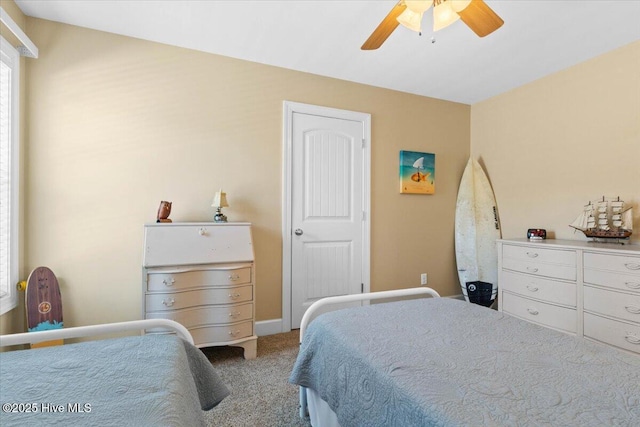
(167, 281)
(530, 253)
(221, 335)
(179, 300)
(545, 314)
(612, 271)
(540, 288)
(179, 244)
(616, 263)
(624, 282)
(614, 304)
(536, 268)
(619, 334)
(211, 315)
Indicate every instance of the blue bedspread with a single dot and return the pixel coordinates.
(151, 380)
(442, 362)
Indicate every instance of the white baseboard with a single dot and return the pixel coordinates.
(268, 327)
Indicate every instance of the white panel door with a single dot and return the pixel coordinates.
(327, 210)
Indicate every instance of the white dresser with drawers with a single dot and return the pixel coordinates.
(202, 276)
(582, 288)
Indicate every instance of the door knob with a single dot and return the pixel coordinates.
(298, 232)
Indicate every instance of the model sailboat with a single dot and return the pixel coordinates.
(605, 220)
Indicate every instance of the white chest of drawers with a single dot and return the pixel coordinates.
(583, 288)
(202, 276)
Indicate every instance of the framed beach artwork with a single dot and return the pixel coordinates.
(417, 172)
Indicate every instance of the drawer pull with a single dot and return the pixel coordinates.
(234, 296)
(632, 285)
(532, 269)
(169, 282)
(532, 311)
(632, 309)
(532, 254)
(234, 333)
(202, 231)
(234, 277)
(632, 265)
(632, 338)
(234, 315)
(532, 288)
(168, 303)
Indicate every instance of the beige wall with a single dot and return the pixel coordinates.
(117, 124)
(552, 145)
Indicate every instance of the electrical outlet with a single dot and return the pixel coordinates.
(423, 279)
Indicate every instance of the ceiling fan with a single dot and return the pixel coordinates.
(475, 13)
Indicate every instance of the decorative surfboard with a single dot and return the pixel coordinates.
(43, 303)
(477, 227)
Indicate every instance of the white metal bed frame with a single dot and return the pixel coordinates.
(93, 330)
(309, 315)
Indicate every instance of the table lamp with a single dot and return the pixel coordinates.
(219, 202)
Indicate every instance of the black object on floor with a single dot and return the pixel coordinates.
(480, 293)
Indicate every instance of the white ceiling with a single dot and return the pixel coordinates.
(323, 37)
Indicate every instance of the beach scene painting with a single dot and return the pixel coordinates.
(417, 172)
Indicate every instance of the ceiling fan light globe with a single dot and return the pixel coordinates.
(459, 5)
(411, 20)
(418, 6)
(443, 15)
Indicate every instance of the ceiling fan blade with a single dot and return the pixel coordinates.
(386, 27)
(480, 18)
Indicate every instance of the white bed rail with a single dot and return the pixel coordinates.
(308, 316)
(92, 330)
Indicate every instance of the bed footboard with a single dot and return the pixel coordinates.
(308, 315)
(92, 330)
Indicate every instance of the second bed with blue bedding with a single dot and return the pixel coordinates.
(446, 362)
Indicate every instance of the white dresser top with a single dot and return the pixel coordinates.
(577, 244)
(198, 224)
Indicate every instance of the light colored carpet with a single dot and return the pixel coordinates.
(261, 395)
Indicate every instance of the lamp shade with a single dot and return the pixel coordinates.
(443, 15)
(418, 6)
(220, 200)
(410, 19)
